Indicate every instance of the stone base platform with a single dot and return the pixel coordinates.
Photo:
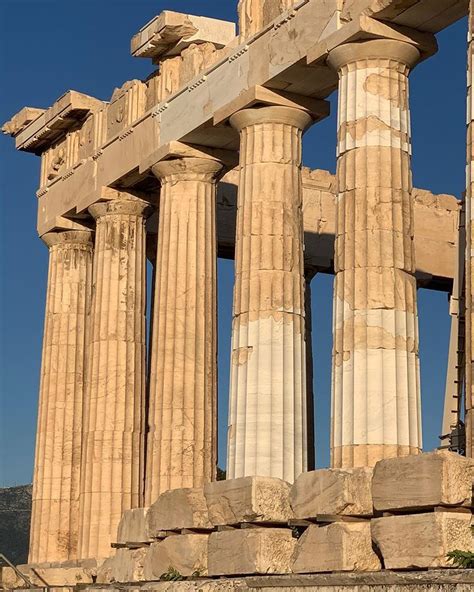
(454, 580)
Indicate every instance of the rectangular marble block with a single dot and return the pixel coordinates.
(420, 541)
(250, 551)
(132, 527)
(421, 481)
(125, 566)
(248, 499)
(341, 546)
(177, 509)
(186, 553)
(52, 576)
(333, 491)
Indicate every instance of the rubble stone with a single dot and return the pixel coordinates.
(132, 527)
(248, 499)
(176, 509)
(333, 491)
(251, 551)
(420, 541)
(340, 546)
(187, 554)
(440, 478)
(124, 567)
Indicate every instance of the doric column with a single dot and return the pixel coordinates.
(113, 450)
(469, 342)
(267, 409)
(54, 524)
(182, 419)
(376, 387)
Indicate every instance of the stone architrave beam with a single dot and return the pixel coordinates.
(270, 59)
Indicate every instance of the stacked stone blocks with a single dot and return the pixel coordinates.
(406, 513)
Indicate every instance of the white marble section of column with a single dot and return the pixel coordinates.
(267, 410)
(376, 387)
(182, 419)
(54, 521)
(113, 451)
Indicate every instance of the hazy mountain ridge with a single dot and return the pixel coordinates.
(15, 515)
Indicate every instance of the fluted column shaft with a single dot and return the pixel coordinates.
(54, 524)
(182, 419)
(376, 388)
(113, 449)
(469, 403)
(267, 409)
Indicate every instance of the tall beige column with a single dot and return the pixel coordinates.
(54, 523)
(267, 409)
(113, 449)
(376, 387)
(469, 403)
(182, 419)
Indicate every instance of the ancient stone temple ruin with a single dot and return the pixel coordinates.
(204, 160)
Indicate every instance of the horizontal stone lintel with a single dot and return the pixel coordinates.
(170, 32)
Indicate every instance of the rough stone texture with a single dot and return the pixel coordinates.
(267, 408)
(333, 491)
(376, 387)
(125, 566)
(439, 478)
(250, 551)
(133, 526)
(113, 447)
(176, 509)
(186, 553)
(182, 418)
(422, 540)
(249, 499)
(337, 547)
(254, 15)
(54, 520)
(52, 576)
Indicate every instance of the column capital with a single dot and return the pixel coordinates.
(68, 237)
(131, 207)
(273, 114)
(187, 169)
(376, 49)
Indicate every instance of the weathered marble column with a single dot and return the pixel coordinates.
(267, 409)
(469, 403)
(376, 387)
(182, 418)
(54, 524)
(113, 450)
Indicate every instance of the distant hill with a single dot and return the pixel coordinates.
(15, 514)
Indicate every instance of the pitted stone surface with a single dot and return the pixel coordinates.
(123, 567)
(337, 547)
(251, 551)
(333, 491)
(439, 478)
(249, 499)
(420, 541)
(186, 553)
(176, 509)
(132, 527)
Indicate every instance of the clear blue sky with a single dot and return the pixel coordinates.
(48, 47)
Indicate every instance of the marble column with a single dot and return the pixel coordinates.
(267, 408)
(113, 442)
(376, 386)
(469, 342)
(54, 524)
(182, 417)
